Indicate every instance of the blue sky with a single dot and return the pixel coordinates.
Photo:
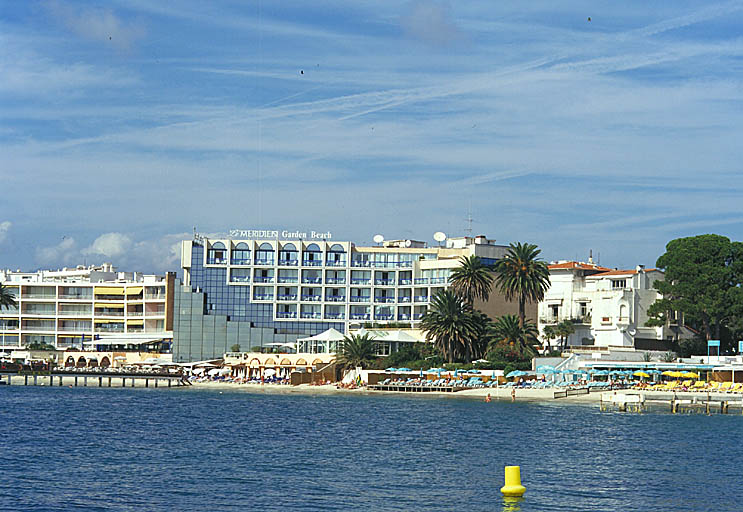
(123, 127)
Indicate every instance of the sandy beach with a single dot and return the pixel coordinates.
(500, 394)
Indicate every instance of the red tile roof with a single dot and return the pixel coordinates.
(575, 265)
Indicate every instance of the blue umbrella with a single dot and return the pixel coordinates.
(601, 372)
(403, 369)
(391, 370)
(515, 373)
(545, 368)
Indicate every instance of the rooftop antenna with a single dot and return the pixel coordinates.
(469, 220)
(590, 256)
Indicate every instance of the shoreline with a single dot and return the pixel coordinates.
(496, 394)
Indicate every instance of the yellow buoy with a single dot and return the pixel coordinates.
(513, 485)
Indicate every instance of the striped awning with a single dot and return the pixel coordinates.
(101, 305)
(134, 290)
(109, 290)
(135, 322)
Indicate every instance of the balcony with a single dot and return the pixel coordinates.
(360, 263)
(421, 280)
(240, 261)
(385, 300)
(288, 279)
(77, 313)
(360, 281)
(380, 316)
(312, 263)
(155, 312)
(100, 328)
(335, 280)
(405, 281)
(438, 280)
(405, 264)
(264, 261)
(312, 280)
(37, 296)
(384, 282)
(335, 298)
(421, 298)
(330, 263)
(216, 261)
(360, 316)
(403, 316)
(289, 296)
(286, 314)
(335, 316)
(288, 263)
(548, 320)
(403, 299)
(134, 313)
(359, 298)
(239, 279)
(313, 316)
(263, 279)
(263, 296)
(312, 298)
(114, 313)
(75, 296)
(417, 316)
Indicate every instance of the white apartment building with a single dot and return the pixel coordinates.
(86, 307)
(608, 307)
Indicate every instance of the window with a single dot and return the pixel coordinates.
(241, 254)
(554, 310)
(217, 254)
(583, 308)
(617, 284)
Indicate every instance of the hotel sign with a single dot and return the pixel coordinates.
(284, 233)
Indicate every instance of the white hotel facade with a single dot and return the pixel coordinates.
(261, 291)
(86, 307)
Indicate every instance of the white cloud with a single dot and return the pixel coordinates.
(110, 245)
(64, 253)
(99, 25)
(4, 228)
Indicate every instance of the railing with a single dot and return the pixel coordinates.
(76, 313)
(360, 316)
(291, 296)
(405, 281)
(288, 280)
(421, 298)
(438, 280)
(421, 280)
(216, 261)
(359, 263)
(286, 314)
(311, 297)
(403, 299)
(312, 263)
(417, 316)
(335, 298)
(260, 261)
(240, 262)
(75, 296)
(359, 298)
(317, 316)
(312, 280)
(384, 299)
(38, 296)
(335, 316)
(383, 317)
(239, 279)
(330, 263)
(51, 312)
(403, 316)
(134, 313)
(263, 296)
(263, 279)
(384, 282)
(154, 312)
(109, 329)
(335, 280)
(75, 329)
(148, 296)
(288, 263)
(118, 312)
(360, 281)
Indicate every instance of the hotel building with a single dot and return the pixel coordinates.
(87, 307)
(258, 289)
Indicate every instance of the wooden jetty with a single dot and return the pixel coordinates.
(676, 403)
(93, 379)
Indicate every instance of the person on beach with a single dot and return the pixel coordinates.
(487, 398)
(513, 394)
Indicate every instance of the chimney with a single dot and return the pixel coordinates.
(590, 256)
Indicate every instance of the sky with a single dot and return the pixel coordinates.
(596, 125)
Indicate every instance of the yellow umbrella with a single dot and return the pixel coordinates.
(641, 374)
(670, 373)
(691, 375)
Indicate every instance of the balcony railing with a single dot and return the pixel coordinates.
(405, 281)
(134, 313)
(360, 298)
(360, 316)
(312, 263)
(359, 263)
(385, 300)
(335, 280)
(421, 280)
(263, 261)
(239, 279)
(287, 296)
(417, 316)
(356, 280)
(335, 298)
(263, 296)
(115, 313)
(288, 279)
(288, 263)
(384, 282)
(286, 314)
(38, 296)
(216, 261)
(316, 316)
(76, 313)
(403, 316)
(421, 298)
(240, 261)
(335, 316)
(75, 296)
(314, 298)
(380, 316)
(312, 280)
(403, 298)
(154, 312)
(438, 280)
(263, 279)
(332, 263)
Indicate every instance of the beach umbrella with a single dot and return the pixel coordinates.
(515, 373)
(691, 375)
(601, 372)
(545, 368)
(391, 370)
(403, 369)
(642, 374)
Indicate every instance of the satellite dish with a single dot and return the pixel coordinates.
(378, 239)
(632, 331)
(408, 243)
(439, 236)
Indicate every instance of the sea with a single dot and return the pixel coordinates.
(88, 449)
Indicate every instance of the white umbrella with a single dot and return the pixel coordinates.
(270, 372)
(214, 371)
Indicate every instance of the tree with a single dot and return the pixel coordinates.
(521, 274)
(564, 329)
(451, 324)
(356, 350)
(703, 280)
(235, 347)
(549, 333)
(508, 330)
(7, 299)
(471, 279)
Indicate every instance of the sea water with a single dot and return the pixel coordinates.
(87, 449)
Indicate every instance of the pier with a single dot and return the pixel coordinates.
(675, 403)
(93, 379)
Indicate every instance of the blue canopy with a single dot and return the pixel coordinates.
(600, 372)
(391, 370)
(403, 369)
(516, 373)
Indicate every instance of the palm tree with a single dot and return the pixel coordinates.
(549, 333)
(507, 330)
(356, 350)
(451, 325)
(471, 279)
(564, 329)
(521, 274)
(7, 299)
